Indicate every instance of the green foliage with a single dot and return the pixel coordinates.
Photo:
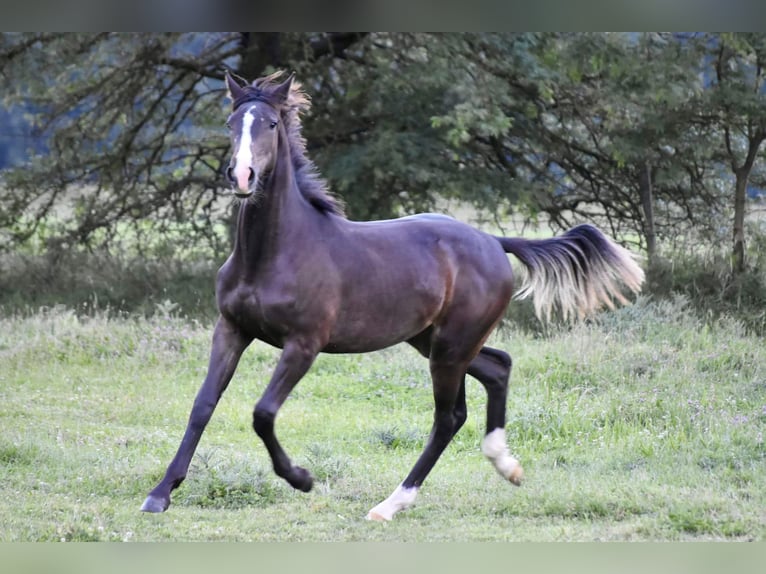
(218, 485)
(705, 278)
(17, 455)
(393, 438)
(92, 282)
(115, 110)
(642, 133)
(326, 466)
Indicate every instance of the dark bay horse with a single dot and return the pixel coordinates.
(305, 279)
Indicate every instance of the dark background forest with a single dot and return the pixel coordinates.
(112, 147)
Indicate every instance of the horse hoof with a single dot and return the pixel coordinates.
(154, 504)
(376, 517)
(301, 479)
(516, 476)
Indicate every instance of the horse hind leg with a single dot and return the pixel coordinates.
(492, 368)
(450, 414)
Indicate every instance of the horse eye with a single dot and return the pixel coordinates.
(272, 125)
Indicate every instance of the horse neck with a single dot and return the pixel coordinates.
(280, 208)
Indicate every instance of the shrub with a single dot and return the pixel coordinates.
(92, 281)
(711, 288)
(89, 282)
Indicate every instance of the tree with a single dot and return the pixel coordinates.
(629, 130)
(588, 126)
(134, 129)
(128, 121)
(736, 104)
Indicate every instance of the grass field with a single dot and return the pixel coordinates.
(642, 425)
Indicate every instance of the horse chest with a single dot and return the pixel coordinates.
(269, 311)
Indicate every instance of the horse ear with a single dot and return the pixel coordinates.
(281, 91)
(233, 89)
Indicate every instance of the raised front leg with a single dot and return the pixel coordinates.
(295, 360)
(227, 348)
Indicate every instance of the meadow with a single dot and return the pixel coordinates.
(642, 424)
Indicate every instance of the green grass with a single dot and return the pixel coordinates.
(644, 424)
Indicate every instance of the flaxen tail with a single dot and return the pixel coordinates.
(577, 272)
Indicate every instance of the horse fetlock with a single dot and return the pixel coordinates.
(495, 449)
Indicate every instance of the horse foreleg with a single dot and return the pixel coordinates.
(295, 360)
(449, 415)
(228, 345)
(493, 368)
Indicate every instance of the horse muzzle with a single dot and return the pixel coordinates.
(243, 181)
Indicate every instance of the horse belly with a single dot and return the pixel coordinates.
(384, 315)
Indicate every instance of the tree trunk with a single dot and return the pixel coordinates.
(647, 203)
(740, 202)
(742, 175)
(259, 50)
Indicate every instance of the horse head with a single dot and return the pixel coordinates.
(254, 129)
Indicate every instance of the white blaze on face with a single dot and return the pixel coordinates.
(244, 157)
